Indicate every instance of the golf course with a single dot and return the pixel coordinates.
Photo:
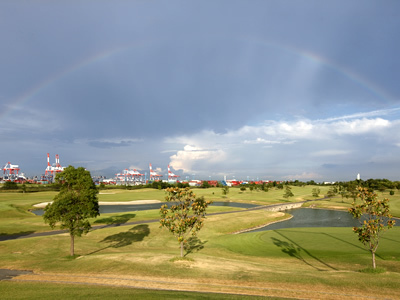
(127, 254)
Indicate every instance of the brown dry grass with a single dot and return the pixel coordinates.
(303, 291)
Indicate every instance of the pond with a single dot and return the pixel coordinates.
(308, 217)
(105, 209)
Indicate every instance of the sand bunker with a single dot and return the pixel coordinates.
(130, 202)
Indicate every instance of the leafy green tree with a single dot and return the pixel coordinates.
(225, 190)
(288, 192)
(243, 188)
(10, 185)
(374, 218)
(205, 184)
(74, 204)
(182, 184)
(343, 192)
(381, 188)
(315, 192)
(185, 216)
(331, 192)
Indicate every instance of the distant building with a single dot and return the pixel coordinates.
(195, 182)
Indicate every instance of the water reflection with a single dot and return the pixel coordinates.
(308, 217)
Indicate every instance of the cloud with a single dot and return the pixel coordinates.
(261, 141)
(369, 114)
(330, 152)
(190, 155)
(360, 126)
(304, 176)
(261, 96)
(285, 146)
(30, 120)
(110, 143)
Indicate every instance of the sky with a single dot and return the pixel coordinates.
(251, 90)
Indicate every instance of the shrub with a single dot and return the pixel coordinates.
(10, 185)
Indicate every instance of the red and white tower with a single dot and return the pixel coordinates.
(49, 169)
(154, 175)
(58, 168)
(171, 176)
(130, 176)
(10, 172)
(55, 168)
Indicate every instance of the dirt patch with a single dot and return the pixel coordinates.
(270, 289)
(338, 207)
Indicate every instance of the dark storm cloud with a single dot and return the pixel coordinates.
(115, 84)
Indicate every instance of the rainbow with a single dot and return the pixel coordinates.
(336, 67)
(46, 83)
(105, 54)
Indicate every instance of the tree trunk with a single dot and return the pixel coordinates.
(373, 259)
(182, 249)
(72, 245)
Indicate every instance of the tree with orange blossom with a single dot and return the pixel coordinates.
(374, 218)
(186, 214)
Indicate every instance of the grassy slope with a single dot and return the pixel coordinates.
(29, 290)
(308, 256)
(303, 257)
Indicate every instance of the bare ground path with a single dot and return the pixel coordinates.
(281, 290)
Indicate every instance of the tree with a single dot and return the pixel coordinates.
(225, 190)
(331, 192)
(10, 185)
(343, 192)
(315, 192)
(205, 184)
(288, 192)
(23, 188)
(374, 218)
(185, 216)
(74, 204)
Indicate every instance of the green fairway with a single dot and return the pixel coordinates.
(306, 259)
(273, 196)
